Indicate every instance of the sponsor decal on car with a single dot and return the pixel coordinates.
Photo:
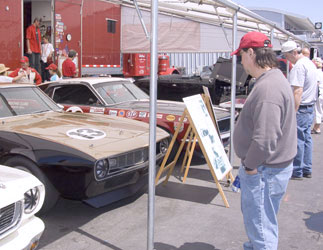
(86, 134)
(142, 114)
(97, 110)
(158, 116)
(131, 114)
(176, 126)
(185, 119)
(113, 112)
(170, 118)
(74, 109)
(121, 113)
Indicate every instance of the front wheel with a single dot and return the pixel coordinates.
(51, 194)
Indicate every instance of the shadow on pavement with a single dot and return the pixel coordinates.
(315, 221)
(186, 246)
(187, 192)
(197, 173)
(93, 237)
(69, 215)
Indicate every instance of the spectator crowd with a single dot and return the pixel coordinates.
(38, 63)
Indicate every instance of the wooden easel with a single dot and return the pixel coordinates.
(193, 138)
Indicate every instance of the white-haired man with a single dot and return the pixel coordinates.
(303, 79)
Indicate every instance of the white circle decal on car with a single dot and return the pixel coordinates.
(86, 134)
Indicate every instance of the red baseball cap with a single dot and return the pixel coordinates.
(253, 39)
(24, 59)
(52, 66)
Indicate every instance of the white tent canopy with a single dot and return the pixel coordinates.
(194, 26)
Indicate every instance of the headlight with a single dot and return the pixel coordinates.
(101, 169)
(163, 146)
(32, 197)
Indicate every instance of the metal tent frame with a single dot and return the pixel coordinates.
(226, 14)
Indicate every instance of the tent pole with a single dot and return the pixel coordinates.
(152, 123)
(233, 84)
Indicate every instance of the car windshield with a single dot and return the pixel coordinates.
(117, 92)
(24, 100)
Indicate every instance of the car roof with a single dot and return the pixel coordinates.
(90, 80)
(9, 84)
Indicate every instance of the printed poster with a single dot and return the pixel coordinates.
(208, 135)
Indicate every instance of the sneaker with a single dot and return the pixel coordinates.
(299, 178)
(313, 131)
(309, 175)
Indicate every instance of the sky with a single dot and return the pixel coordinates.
(313, 9)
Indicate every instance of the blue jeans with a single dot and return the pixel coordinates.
(34, 61)
(260, 199)
(303, 159)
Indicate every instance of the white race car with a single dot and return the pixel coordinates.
(21, 196)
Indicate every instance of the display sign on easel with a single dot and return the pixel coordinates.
(202, 129)
(208, 135)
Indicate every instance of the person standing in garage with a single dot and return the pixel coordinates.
(68, 67)
(265, 140)
(46, 58)
(33, 41)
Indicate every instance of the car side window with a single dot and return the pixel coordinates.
(75, 94)
(4, 110)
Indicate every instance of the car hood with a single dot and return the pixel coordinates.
(168, 107)
(96, 135)
(14, 183)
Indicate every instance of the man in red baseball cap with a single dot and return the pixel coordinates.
(28, 74)
(253, 40)
(265, 139)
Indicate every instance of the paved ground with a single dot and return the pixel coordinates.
(189, 216)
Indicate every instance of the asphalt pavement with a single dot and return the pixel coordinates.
(188, 216)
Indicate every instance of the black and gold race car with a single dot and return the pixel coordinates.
(95, 158)
(120, 97)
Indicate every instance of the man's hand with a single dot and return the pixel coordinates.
(298, 91)
(252, 172)
(28, 47)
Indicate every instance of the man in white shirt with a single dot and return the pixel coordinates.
(47, 51)
(303, 79)
(4, 78)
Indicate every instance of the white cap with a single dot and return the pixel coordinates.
(289, 46)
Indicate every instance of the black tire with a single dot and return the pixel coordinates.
(173, 152)
(51, 194)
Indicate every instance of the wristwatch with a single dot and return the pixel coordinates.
(248, 169)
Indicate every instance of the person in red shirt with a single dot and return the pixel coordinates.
(26, 73)
(33, 41)
(68, 67)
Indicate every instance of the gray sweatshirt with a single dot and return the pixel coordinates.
(265, 133)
